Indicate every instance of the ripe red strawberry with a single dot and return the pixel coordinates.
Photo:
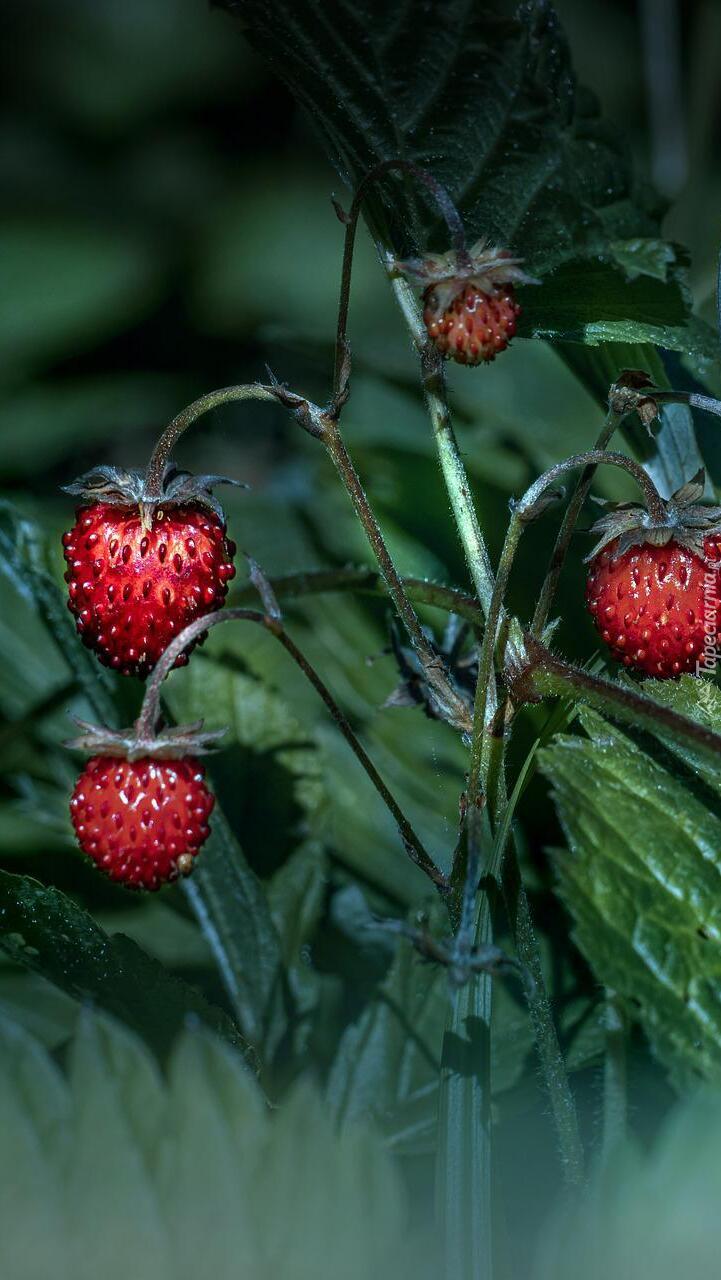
(475, 326)
(469, 306)
(142, 821)
(132, 588)
(653, 590)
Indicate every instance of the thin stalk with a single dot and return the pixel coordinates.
(452, 706)
(453, 221)
(180, 423)
(150, 712)
(568, 524)
(615, 1104)
(694, 399)
(476, 779)
(292, 586)
(464, 1161)
(654, 501)
(449, 455)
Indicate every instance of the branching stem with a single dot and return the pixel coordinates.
(150, 713)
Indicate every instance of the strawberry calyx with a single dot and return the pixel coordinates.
(483, 267)
(682, 519)
(121, 487)
(172, 742)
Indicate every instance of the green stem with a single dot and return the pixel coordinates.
(454, 471)
(548, 676)
(479, 759)
(150, 713)
(568, 524)
(464, 1169)
(180, 423)
(615, 1105)
(451, 705)
(368, 582)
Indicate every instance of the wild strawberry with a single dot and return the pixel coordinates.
(653, 585)
(143, 822)
(475, 326)
(140, 571)
(469, 310)
(140, 807)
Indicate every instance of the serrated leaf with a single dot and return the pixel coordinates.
(649, 1212)
(45, 931)
(485, 98)
(156, 1178)
(642, 880)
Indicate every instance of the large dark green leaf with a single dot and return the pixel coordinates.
(45, 931)
(485, 97)
(642, 875)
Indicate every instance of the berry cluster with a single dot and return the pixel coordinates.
(142, 566)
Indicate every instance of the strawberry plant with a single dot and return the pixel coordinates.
(419, 969)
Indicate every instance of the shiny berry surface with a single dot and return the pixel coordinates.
(142, 822)
(475, 326)
(133, 589)
(655, 607)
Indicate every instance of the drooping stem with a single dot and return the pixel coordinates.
(452, 218)
(568, 524)
(476, 778)
(180, 423)
(451, 705)
(150, 712)
(449, 455)
(654, 501)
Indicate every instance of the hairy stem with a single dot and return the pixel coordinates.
(150, 712)
(451, 705)
(453, 221)
(549, 676)
(180, 423)
(449, 456)
(369, 582)
(568, 524)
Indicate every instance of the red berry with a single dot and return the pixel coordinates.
(655, 606)
(133, 589)
(474, 326)
(144, 821)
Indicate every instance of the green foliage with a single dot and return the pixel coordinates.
(113, 1169)
(641, 875)
(46, 931)
(647, 1213)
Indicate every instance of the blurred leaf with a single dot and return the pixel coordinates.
(119, 1172)
(641, 879)
(647, 1213)
(45, 931)
(62, 285)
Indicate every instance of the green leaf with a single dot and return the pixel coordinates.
(648, 1212)
(120, 1172)
(23, 562)
(642, 876)
(670, 452)
(45, 931)
(486, 98)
